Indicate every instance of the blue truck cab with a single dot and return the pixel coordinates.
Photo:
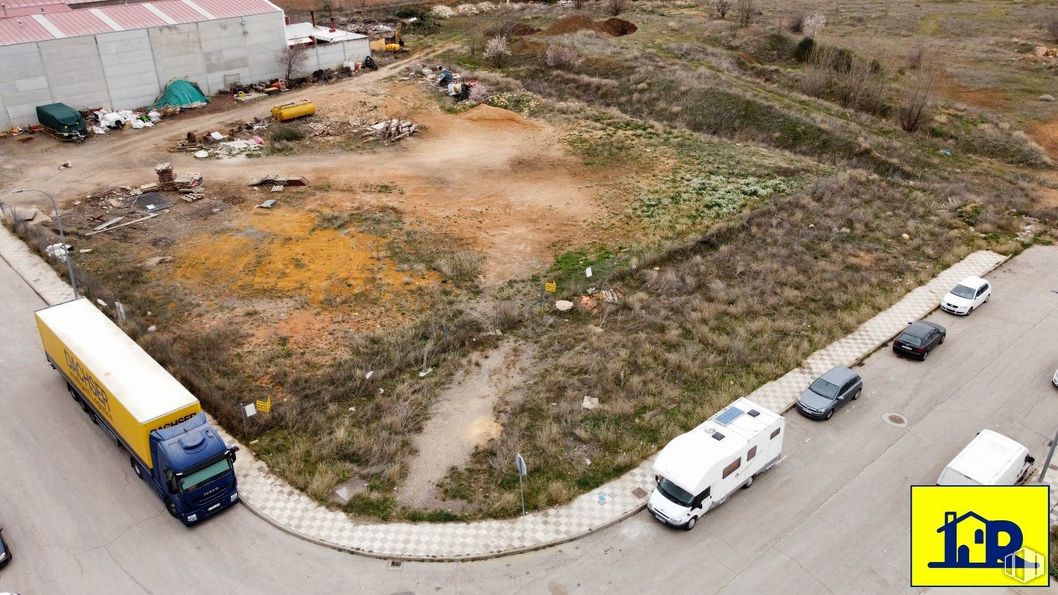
(193, 470)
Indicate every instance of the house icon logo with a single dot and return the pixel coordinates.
(984, 550)
(979, 535)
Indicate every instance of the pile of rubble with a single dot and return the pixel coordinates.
(240, 140)
(391, 130)
(102, 121)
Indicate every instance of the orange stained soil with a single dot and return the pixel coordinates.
(281, 254)
(1046, 135)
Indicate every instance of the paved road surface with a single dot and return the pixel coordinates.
(832, 517)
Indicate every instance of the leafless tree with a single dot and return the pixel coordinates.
(920, 96)
(292, 58)
(722, 7)
(616, 7)
(744, 10)
(498, 50)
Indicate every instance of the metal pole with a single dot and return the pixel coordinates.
(1050, 454)
(62, 236)
(521, 488)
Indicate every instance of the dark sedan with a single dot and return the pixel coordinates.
(919, 338)
(5, 552)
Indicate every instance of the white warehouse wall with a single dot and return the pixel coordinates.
(128, 69)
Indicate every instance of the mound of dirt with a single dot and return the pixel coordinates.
(572, 24)
(487, 113)
(618, 27)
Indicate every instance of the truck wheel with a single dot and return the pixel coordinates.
(171, 507)
(70, 389)
(748, 483)
(136, 468)
(84, 406)
(691, 523)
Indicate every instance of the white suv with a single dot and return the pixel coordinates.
(968, 295)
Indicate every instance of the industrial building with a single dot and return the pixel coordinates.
(90, 54)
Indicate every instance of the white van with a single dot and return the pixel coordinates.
(699, 470)
(990, 459)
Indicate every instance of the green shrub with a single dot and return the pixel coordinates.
(803, 51)
(287, 133)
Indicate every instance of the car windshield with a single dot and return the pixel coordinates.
(910, 339)
(205, 474)
(964, 291)
(822, 387)
(675, 493)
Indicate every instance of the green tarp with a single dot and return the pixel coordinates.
(62, 120)
(182, 94)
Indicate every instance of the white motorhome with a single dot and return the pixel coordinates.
(989, 459)
(700, 469)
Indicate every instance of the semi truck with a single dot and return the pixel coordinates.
(698, 470)
(139, 405)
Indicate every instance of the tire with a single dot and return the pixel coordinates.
(942, 337)
(749, 482)
(172, 509)
(925, 354)
(136, 468)
(690, 524)
(73, 393)
(829, 414)
(84, 406)
(857, 395)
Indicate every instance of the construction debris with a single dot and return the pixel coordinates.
(276, 180)
(151, 216)
(268, 204)
(108, 223)
(58, 251)
(391, 130)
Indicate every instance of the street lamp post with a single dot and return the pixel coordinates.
(62, 235)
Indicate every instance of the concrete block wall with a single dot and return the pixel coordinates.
(178, 54)
(128, 69)
(333, 55)
(23, 84)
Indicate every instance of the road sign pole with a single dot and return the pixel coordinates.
(521, 488)
(1047, 464)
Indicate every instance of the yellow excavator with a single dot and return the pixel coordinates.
(395, 42)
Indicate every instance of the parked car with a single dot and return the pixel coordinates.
(965, 297)
(830, 391)
(5, 552)
(919, 338)
(989, 459)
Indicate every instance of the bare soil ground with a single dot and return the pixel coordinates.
(461, 420)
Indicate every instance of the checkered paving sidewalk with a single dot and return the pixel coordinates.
(277, 502)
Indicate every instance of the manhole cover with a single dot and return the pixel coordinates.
(895, 419)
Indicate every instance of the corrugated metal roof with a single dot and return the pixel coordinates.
(21, 30)
(134, 16)
(77, 22)
(73, 23)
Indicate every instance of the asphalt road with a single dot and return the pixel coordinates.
(831, 517)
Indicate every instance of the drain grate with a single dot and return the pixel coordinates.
(895, 419)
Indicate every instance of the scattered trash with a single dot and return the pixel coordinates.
(563, 305)
(368, 376)
(85, 250)
(391, 130)
(268, 204)
(217, 136)
(278, 188)
(65, 165)
(275, 180)
(203, 154)
(58, 251)
(425, 372)
(152, 329)
(905, 236)
(590, 402)
(101, 302)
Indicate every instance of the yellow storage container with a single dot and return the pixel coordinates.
(293, 110)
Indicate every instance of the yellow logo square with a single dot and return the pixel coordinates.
(979, 536)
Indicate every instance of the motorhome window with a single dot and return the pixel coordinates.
(752, 453)
(732, 467)
(775, 433)
(675, 493)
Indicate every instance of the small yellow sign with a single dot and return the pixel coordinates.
(979, 536)
(265, 406)
(551, 287)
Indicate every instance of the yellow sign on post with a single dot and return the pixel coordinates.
(551, 287)
(265, 406)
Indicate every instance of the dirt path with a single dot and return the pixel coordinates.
(503, 184)
(461, 419)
